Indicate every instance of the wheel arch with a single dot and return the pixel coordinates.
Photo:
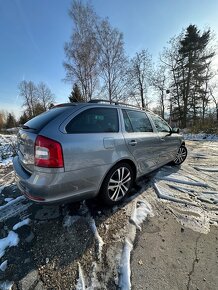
(125, 160)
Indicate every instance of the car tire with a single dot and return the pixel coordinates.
(117, 184)
(181, 155)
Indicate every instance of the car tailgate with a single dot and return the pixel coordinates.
(26, 143)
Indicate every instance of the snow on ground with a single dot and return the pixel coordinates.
(4, 265)
(21, 224)
(8, 199)
(7, 285)
(13, 201)
(99, 240)
(14, 208)
(192, 191)
(7, 149)
(209, 169)
(81, 280)
(141, 210)
(201, 136)
(176, 178)
(69, 220)
(11, 240)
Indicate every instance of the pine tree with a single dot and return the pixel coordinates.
(76, 96)
(23, 119)
(11, 121)
(191, 74)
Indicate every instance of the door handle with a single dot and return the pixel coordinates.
(133, 142)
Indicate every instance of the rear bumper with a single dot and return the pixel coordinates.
(56, 187)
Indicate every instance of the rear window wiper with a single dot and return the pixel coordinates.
(27, 127)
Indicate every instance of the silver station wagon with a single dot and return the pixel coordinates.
(76, 151)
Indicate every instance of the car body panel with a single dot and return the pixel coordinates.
(26, 141)
(145, 151)
(88, 157)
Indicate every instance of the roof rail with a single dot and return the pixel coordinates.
(95, 101)
(64, 105)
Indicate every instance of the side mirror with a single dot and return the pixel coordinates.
(175, 130)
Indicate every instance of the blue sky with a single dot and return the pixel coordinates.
(33, 33)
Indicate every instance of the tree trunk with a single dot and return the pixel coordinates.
(142, 98)
(217, 112)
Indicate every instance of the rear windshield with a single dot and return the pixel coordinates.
(38, 122)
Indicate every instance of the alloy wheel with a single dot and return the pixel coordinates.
(119, 183)
(181, 155)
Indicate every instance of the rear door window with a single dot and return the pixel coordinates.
(94, 120)
(136, 121)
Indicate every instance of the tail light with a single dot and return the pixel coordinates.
(48, 153)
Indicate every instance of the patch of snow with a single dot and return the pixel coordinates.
(199, 156)
(21, 224)
(94, 283)
(81, 280)
(12, 202)
(201, 136)
(11, 240)
(208, 169)
(205, 199)
(125, 271)
(195, 219)
(8, 199)
(142, 209)
(161, 192)
(14, 207)
(7, 149)
(182, 181)
(6, 162)
(140, 212)
(97, 236)
(69, 220)
(189, 191)
(210, 192)
(7, 285)
(4, 265)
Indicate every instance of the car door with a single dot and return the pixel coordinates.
(169, 143)
(141, 140)
(92, 138)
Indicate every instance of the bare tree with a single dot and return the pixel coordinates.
(82, 50)
(140, 75)
(160, 84)
(36, 98)
(214, 98)
(28, 92)
(44, 96)
(112, 60)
